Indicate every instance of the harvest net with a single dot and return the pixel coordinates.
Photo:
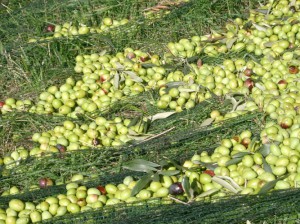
(176, 137)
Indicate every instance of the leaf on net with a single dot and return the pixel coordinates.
(140, 165)
(225, 184)
(169, 172)
(186, 90)
(210, 166)
(133, 76)
(162, 115)
(208, 193)
(270, 185)
(207, 122)
(234, 161)
(141, 184)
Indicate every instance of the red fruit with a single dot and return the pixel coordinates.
(50, 28)
(144, 58)
(96, 142)
(293, 70)
(176, 189)
(102, 189)
(286, 122)
(45, 182)
(199, 63)
(2, 104)
(61, 148)
(209, 172)
(282, 82)
(245, 142)
(248, 72)
(249, 84)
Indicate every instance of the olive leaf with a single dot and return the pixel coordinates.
(247, 25)
(141, 165)
(134, 121)
(230, 42)
(265, 149)
(233, 183)
(187, 187)
(262, 11)
(162, 115)
(133, 76)
(234, 161)
(252, 145)
(168, 172)
(258, 27)
(241, 107)
(270, 185)
(208, 193)
(186, 90)
(225, 184)
(241, 154)
(174, 84)
(148, 65)
(207, 122)
(266, 166)
(141, 184)
(210, 166)
(102, 53)
(119, 66)
(116, 80)
(175, 164)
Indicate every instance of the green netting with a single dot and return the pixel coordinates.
(239, 209)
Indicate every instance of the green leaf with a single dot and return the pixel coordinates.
(266, 166)
(169, 172)
(265, 149)
(148, 65)
(156, 177)
(210, 166)
(241, 154)
(230, 42)
(233, 183)
(270, 185)
(258, 27)
(208, 193)
(225, 184)
(178, 167)
(187, 187)
(234, 161)
(134, 121)
(141, 184)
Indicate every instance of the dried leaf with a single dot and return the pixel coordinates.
(224, 184)
(241, 107)
(162, 115)
(207, 122)
(133, 76)
(141, 184)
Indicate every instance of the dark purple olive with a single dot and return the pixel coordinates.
(176, 189)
